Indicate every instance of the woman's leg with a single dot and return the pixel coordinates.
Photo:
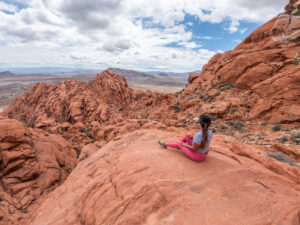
(172, 144)
(186, 139)
(193, 155)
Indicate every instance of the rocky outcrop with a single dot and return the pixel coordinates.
(134, 181)
(33, 163)
(105, 98)
(263, 70)
(123, 177)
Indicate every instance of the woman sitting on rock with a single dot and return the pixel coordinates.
(196, 148)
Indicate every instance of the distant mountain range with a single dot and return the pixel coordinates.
(6, 74)
(62, 70)
(131, 74)
(49, 70)
(125, 72)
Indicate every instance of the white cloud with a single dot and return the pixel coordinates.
(8, 7)
(233, 27)
(125, 33)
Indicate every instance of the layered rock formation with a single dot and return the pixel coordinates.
(33, 162)
(126, 178)
(263, 72)
(106, 98)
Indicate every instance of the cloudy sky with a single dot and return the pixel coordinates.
(146, 35)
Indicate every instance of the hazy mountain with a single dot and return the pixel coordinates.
(6, 74)
(50, 70)
(185, 74)
(129, 74)
(170, 73)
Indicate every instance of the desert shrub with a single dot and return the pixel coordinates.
(236, 124)
(233, 110)
(248, 135)
(84, 157)
(211, 97)
(227, 87)
(259, 137)
(213, 118)
(264, 124)
(282, 139)
(290, 9)
(296, 62)
(177, 107)
(223, 127)
(77, 152)
(214, 85)
(295, 137)
(183, 125)
(276, 128)
(280, 156)
(205, 98)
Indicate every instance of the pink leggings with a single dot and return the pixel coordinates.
(191, 154)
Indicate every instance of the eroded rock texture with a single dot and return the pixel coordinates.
(33, 163)
(134, 181)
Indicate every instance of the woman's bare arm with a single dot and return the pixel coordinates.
(194, 147)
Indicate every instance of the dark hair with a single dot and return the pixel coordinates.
(205, 122)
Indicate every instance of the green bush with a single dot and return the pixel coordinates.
(227, 87)
(233, 110)
(177, 107)
(236, 124)
(264, 124)
(280, 156)
(276, 128)
(282, 139)
(295, 138)
(290, 9)
(214, 86)
(223, 127)
(296, 62)
(84, 157)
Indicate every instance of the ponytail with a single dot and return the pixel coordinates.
(204, 136)
(205, 123)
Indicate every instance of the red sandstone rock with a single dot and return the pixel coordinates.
(192, 76)
(33, 163)
(265, 62)
(128, 180)
(134, 181)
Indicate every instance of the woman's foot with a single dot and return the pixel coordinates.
(162, 143)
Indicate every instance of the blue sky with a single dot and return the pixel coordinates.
(169, 35)
(214, 36)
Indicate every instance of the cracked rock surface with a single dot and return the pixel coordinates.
(134, 181)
